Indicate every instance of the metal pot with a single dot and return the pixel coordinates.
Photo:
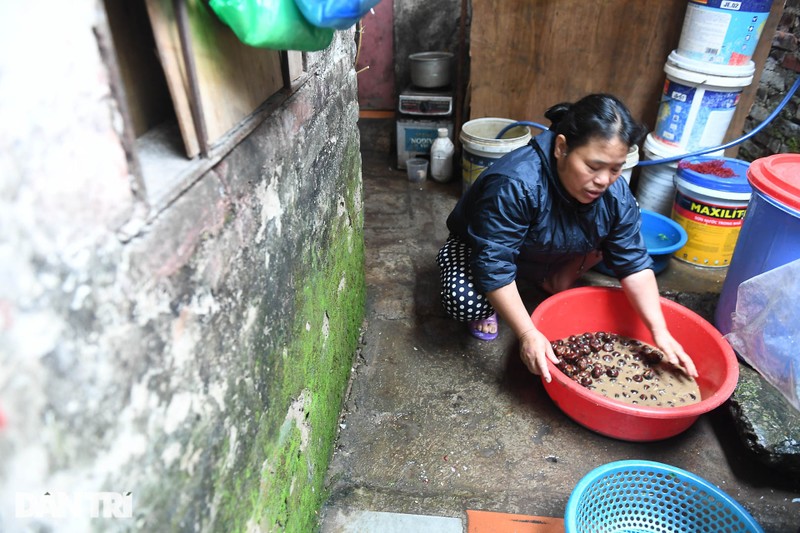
(431, 69)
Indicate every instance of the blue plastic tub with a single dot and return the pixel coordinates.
(662, 236)
(770, 234)
(651, 497)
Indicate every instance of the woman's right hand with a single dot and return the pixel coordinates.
(535, 350)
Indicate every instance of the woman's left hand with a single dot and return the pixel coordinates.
(642, 292)
(674, 352)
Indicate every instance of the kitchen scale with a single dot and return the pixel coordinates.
(421, 112)
(431, 102)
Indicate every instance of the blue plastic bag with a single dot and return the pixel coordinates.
(337, 14)
(275, 24)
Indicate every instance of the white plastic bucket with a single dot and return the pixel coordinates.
(481, 148)
(655, 190)
(721, 31)
(630, 162)
(697, 105)
(711, 209)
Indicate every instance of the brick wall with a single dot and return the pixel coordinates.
(780, 72)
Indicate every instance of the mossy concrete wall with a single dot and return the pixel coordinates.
(195, 357)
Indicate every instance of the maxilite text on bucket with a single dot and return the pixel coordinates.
(710, 211)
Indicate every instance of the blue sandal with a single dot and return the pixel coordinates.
(478, 334)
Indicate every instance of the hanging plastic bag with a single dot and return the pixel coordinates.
(337, 14)
(765, 330)
(275, 24)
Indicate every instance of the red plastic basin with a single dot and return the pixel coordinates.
(576, 311)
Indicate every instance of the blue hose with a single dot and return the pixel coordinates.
(647, 163)
(521, 123)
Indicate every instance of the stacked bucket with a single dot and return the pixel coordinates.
(705, 77)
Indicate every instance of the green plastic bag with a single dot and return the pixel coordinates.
(276, 24)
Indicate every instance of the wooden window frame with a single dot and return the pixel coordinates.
(204, 75)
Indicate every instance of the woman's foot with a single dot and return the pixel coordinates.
(484, 329)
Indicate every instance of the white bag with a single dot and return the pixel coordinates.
(766, 327)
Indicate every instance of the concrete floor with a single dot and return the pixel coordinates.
(437, 422)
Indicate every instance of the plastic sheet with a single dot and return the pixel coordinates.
(338, 14)
(275, 24)
(765, 330)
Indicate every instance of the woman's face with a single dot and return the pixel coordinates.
(587, 171)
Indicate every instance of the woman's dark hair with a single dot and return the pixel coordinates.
(595, 115)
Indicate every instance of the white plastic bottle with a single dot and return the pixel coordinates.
(442, 151)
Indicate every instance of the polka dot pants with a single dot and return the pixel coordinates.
(460, 298)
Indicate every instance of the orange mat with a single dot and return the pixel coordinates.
(489, 522)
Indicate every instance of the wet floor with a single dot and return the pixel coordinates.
(437, 423)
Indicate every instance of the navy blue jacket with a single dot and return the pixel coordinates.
(516, 213)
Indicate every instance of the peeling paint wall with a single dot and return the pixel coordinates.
(198, 362)
(376, 59)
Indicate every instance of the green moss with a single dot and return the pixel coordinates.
(278, 479)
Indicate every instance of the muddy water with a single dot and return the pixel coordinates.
(624, 369)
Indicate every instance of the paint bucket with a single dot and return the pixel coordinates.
(481, 148)
(770, 235)
(630, 162)
(698, 102)
(655, 189)
(721, 31)
(711, 209)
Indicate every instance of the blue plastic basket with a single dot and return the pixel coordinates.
(649, 497)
